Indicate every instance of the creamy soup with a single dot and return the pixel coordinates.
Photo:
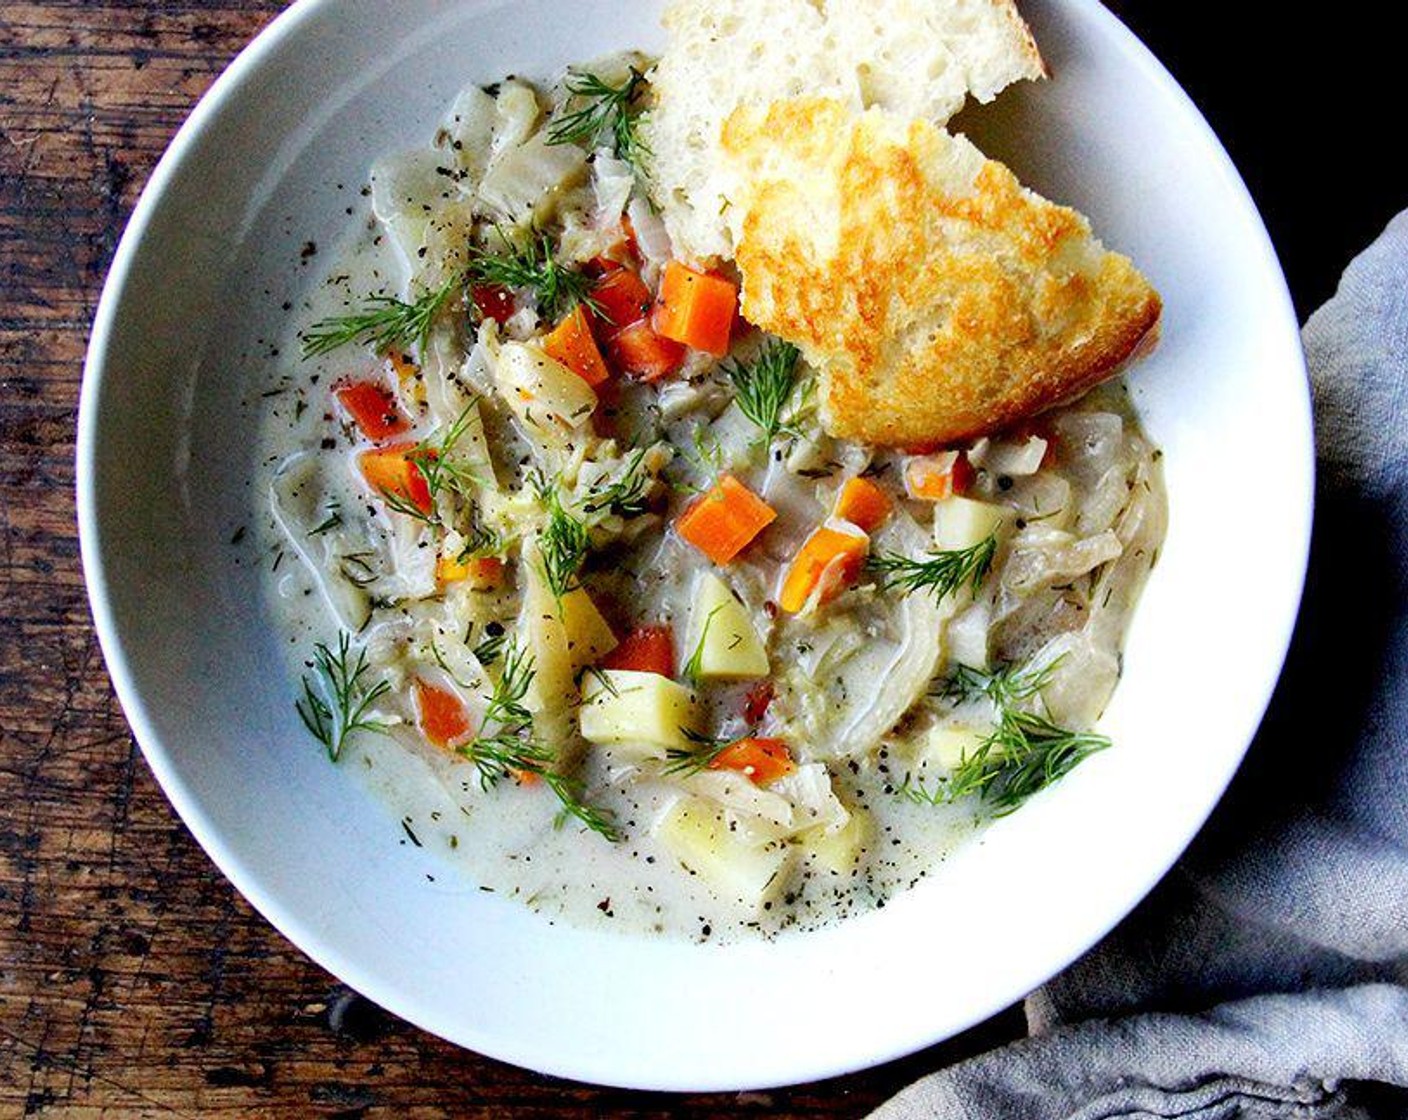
(570, 570)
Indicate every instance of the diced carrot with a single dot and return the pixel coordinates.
(722, 522)
(492, 302)
(482, 573)
(757, 702)
(373, 409)
(620, 298)
(763, 760)
(696, 308)
(649, 649)
(863, 504)
(441, 715)
(572, 344)
(830, 560)
(639, 351)
(392, 470)
(933, 478)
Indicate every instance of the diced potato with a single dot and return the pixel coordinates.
(840, 851)
(697, 834)
(549, 399)
(589, 636)
(962, 522)
(945, 747)
(723, 634)
(622, 707)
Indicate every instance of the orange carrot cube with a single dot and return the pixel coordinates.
(696, 308)
(723, 522)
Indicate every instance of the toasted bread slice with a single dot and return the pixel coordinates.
(937, 297)
(918, 58)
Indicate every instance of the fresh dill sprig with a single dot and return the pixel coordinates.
(763, 386)
(1006, 686)
(697, 757)
(532, 265)
(693, 668)
(1023, 755)
(575, 806)
(512, 751)
(435, 462)
(627, 495)
(707, 458)
(510, 748)
(433, 459)
(606, 110)
(562, 544)
(336, 700)
(942, 572)
(399, 503)
(480, 543)
(385, 323)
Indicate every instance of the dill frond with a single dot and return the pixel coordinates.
(763, 386)
(384, 322)
(1006, 686)
(335, 701)
(562, 544)
(434, 459)
(941, 573)
(490, 647)
(532, 265)
(604, 111)
(694, 666)
(695, 758)
(512, 751)
(1025, 754)
(627, 495)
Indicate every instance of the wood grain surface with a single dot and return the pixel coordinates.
(134, 981)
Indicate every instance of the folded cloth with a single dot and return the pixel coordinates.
(1267, 976)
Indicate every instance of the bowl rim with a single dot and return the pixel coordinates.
(224, 852)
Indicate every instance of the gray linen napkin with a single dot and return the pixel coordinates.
(1267, 976)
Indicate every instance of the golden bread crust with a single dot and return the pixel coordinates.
(938, 299)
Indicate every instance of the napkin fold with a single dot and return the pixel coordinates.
(1267, 976)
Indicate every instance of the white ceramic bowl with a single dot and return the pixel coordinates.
(269, 161)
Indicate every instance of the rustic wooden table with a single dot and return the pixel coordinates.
(133, 980)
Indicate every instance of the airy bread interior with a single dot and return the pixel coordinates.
(915, 58)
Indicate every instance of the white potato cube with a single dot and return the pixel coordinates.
(622, 707)
(697, 833)
(840, 851)
(962, 522)
(723, 635)
(589, 636)
(947, 746)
